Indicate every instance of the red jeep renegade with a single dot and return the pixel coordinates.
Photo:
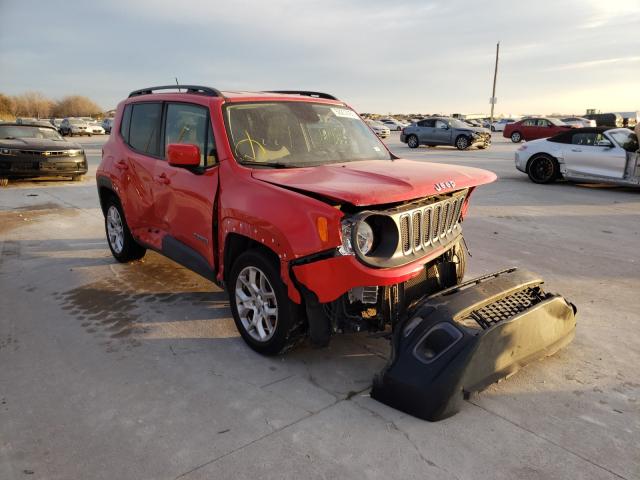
(289, 201)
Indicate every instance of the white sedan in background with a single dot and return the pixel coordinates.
(499, 125)
(579, 122)
(380, 129)
(586, 155)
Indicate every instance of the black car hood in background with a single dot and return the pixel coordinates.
(40, 144)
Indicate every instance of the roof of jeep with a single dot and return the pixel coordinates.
(233, 95)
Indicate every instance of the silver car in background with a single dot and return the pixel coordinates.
(586, 155)
(579, 122)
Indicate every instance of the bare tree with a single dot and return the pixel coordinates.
(32, 104)
(7, 107)
(75, 106)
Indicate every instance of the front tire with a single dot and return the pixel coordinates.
(493, 129)
(76, 178)
(265, 317)
(543, 169)
(462, 142)
(4, 182)
(516, 137)
(123, 246)
(413, 141)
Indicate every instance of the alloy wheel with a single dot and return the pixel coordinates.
(115, 229)
(256, 303)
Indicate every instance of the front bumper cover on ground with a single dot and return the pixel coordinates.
(465, 338)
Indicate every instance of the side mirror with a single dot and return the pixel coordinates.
(604, 143)
(183, 155)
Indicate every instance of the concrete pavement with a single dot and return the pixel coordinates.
(137, 372)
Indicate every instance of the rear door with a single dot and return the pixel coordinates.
(185, 197)
(426, 131)
(585, 157)
(140, 131)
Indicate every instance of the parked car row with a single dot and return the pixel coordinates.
(72, 125)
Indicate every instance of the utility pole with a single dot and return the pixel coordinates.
(495, 77)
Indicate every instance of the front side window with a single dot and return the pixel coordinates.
(584, 139)
(144, 128)
(441, 124)
(626, 139)
(299, 134)
(427, 123)
(190, 124)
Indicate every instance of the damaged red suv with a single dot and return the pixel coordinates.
(291, 203)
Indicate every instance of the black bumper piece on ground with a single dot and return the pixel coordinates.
(463, 339)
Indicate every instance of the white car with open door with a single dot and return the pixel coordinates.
(593, 155)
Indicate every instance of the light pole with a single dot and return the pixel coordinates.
(495, 77)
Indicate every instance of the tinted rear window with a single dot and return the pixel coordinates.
(124, 125)
(144, 130)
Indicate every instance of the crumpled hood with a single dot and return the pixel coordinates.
(476, 129)
(373, 182)
(40, 144)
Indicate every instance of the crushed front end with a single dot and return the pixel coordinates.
(467, 337)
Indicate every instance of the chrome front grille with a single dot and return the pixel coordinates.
(426, 226)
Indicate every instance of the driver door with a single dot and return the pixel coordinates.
(426, 131)
(184, 197)
(588, 156)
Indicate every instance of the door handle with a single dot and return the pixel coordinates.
(121, 165)
(163, 179)
(576, 150)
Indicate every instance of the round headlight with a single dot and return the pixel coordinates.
(364, 237)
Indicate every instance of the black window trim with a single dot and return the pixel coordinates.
(209, 131)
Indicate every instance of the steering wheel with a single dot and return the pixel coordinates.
(251, 143)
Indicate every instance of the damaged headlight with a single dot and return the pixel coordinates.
(356, 233)
(364, 237)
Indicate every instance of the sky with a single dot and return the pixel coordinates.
(400, 56)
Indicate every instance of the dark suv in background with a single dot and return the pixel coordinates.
(435, 131)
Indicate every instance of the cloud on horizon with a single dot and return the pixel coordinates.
(406, 56)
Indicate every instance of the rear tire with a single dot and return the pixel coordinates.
(413, 141)
(123, 246)
(516, 137)
(543, 169)
(268, 321)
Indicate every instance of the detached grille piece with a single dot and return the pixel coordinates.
(505, 308)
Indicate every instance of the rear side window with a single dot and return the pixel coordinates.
(190, 124)
(124, 124)
(144, 131)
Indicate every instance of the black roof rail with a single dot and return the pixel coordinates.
(208, 91)
(305, 93)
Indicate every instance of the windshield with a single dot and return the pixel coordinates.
(299, 134)
(556, 122)
(626, 139)
(455, 123)
(8, 132)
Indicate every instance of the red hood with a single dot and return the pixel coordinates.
(376, 182)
